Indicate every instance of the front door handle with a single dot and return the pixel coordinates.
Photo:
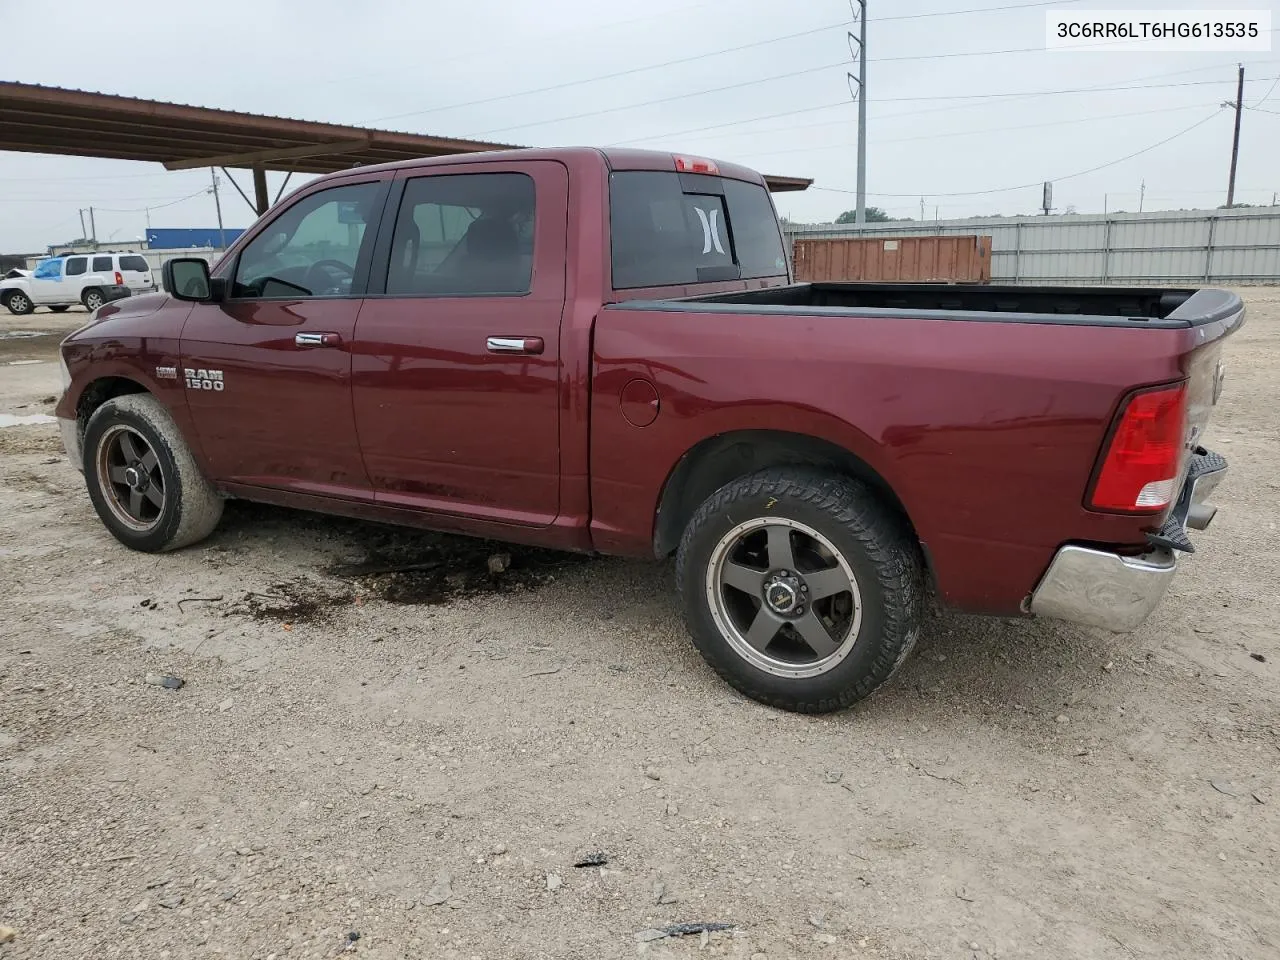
(317, 339)
(528, 345)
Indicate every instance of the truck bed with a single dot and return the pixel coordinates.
(1109, 306)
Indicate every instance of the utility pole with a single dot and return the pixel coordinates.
(217, 205)
(861, 80)
(1142, 195)
(922, 209)
(1235, 140)
(93, 230)
(82, 233)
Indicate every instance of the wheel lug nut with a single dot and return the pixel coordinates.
(799, 610)
(804, 588)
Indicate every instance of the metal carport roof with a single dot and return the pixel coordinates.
(40, 119)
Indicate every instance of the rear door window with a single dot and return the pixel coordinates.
(77, 266)
(102, 263)
(463, 235)
(669, 229)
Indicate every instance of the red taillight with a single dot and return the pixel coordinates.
(119, 279)
(1140, 470)
(696, 165)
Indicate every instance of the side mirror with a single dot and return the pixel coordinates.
(187, 278)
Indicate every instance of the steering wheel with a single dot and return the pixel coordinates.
(326, 275)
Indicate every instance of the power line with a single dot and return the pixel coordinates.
(969, 96)
(159, 206)
(611, 76)
(968, 133)
(842, 103)
(678, 96)
(1024, 186)
(523, 45)
(714, 53)
(682, 11)
(736, 49)
(1267, 95)
(952, 13)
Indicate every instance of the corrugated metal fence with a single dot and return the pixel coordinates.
(1224, 247)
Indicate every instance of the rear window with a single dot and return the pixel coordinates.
(101, 263)
(135, 263)
(671, 229)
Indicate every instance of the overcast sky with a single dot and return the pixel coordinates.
(935, 130)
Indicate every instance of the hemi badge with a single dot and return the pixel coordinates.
(166, 373)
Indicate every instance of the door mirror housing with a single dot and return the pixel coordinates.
(187, 278)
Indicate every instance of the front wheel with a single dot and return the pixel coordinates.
(801, 588)
(142, 479)
(19, 303)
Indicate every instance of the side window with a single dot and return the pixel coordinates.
(101, 264)
(77, 266)
(463, 235)
(48, 270)
(311, 249)
(135, 264)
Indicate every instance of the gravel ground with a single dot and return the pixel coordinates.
(421, 758)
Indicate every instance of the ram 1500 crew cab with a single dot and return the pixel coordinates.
(604, 351)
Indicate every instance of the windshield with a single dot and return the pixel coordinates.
(670, 229)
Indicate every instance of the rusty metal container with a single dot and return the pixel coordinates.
(962, 259)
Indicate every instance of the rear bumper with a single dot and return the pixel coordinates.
(1105, 589)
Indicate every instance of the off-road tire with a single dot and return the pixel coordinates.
(192, 507)
(874, 539)
(18, 303)
(92, 294)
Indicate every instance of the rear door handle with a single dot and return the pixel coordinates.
(317, 339)
(531, 345)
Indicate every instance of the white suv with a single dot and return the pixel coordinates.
(61, 282)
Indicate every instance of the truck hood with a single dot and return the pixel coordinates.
(125, 312)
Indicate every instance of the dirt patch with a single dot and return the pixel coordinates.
(28, 438)
(428, 774)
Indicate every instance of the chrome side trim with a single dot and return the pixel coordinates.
(1103, 589)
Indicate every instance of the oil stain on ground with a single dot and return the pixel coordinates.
(408, 566)
(396, 564)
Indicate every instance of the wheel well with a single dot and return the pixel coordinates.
(99, 392)
(719, 460)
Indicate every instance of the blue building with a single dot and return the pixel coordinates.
(160, 238)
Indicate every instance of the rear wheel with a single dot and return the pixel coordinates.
(60, 309)
(18, 303)
(142, 479)
(801, 588)
(92, 299)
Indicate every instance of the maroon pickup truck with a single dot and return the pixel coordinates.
(604, 351)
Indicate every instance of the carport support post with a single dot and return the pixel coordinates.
(260, 190)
